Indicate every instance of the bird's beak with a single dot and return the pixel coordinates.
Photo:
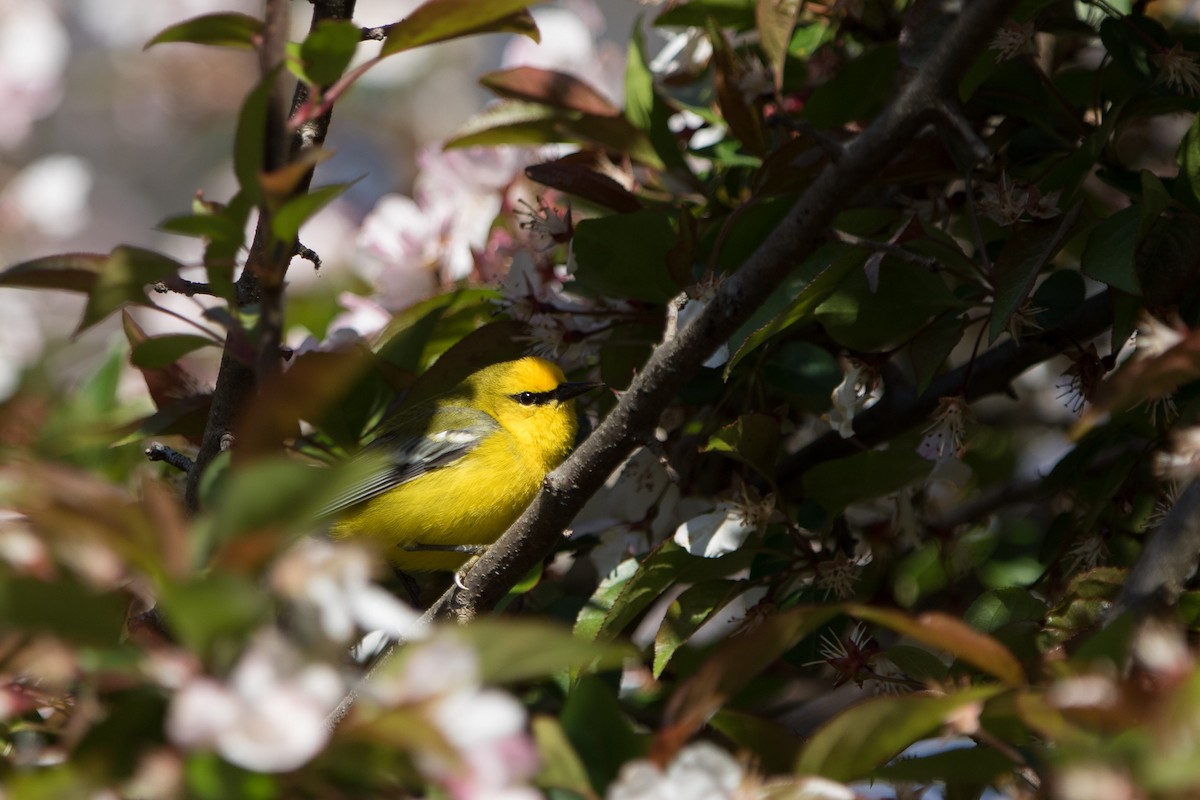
(566, 391)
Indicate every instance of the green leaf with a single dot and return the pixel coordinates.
(157, 352)
(865, 736)
(1187, 185)
(1108, 255)
(1017, 268)
(625, 255)
(224, 30)
(512, 650)
(328, 50)
(948, 633)
(684, 617)
(63, 608)
(803, 307)
(645, 107)
(286, 222)
(122, 281)
(440, 20)
(996, 608)
(775, 20)
(752, 439)
(907, 297)
(845, 481)
(737, 14)
(635, 585)
(250, 138)
(931, 347)
(861, 89)
(561, 767)
(602, 736)
(218, 606)
(774, 745)
(71, 272)
(918, 663)
(962, 765)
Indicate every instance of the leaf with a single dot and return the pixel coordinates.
(561, 767)
(579, 178)
(600, 733)
(775, 20)
(328, 50)
(1023, 257)
(157, 352)
(775, 746)
(625, 255)
(287, 221)
(224, 30)
(512, 650)
(803, 307)
(867, 735)
(549, 87)
(861, 89)
(737, 662)
(845, 481)
(250, 138)
(214, 607)
(752, 439)
(1187, 187)
(626, 594)
(931, 347)
(737, 14)
(978, 765)
(684, 617)
(71, 272)
(739, 114)
(63, 608)
(441, 20)
(122, 281)
(996, 608)
(646, 109)
(1108, 255)
(935, 629)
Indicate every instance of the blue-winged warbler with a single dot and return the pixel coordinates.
(458, 469)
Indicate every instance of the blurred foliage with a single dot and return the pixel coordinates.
(916, 576)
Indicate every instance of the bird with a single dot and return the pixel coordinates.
(456, 470)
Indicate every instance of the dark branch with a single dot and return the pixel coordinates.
(168, 455)
(1158, 578)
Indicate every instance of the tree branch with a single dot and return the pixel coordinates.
(990, 373)
(263, 278)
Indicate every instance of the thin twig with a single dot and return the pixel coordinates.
(168, 455)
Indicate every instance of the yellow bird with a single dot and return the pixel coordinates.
(458, 469)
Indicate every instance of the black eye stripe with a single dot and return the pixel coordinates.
(534, 398)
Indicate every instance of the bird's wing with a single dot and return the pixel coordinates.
(449, 434)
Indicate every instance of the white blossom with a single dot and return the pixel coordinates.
(700, 771)
(859, 390)
(268, 716)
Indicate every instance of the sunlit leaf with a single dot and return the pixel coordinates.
(684, 617)
(440, 20)
(327, 50)
(935, 629)
(556, 89)
(227, 29)
(122, 280)
(867, 735)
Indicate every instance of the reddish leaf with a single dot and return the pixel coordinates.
(951, 634)
(1149, 377)
(741, 117)
(169, 386)
(585, 182)
(775, 20)
(550, 87)
(72, 272)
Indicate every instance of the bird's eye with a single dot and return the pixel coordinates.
(525, 398)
